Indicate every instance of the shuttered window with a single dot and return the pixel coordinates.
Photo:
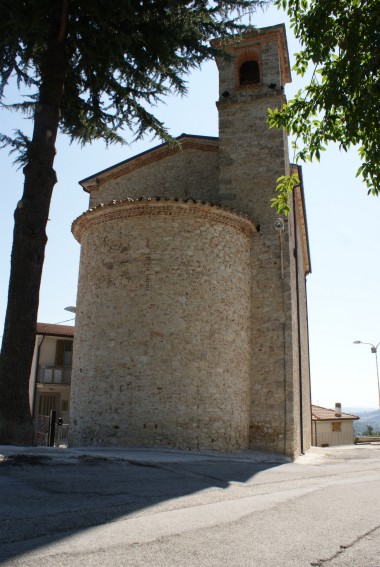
(64, 353)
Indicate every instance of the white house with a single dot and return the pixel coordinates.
(50, 379)
(332, 426)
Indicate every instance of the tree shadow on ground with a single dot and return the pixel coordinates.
(44, 499)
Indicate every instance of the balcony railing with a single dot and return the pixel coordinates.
(54, 375)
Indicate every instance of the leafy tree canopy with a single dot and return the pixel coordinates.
(340, 40)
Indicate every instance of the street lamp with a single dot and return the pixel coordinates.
(71, 308)
(374, 351)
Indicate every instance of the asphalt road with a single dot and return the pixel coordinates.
(61, 508)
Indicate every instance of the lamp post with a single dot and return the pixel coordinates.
(374, 351)
(71, 308)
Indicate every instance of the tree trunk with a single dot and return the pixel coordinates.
(29, 241)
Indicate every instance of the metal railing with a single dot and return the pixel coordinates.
(54, 374)
(43, 432)
(61, 438)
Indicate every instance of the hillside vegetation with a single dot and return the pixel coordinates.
(367, 418)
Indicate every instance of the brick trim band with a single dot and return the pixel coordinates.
(172, 208)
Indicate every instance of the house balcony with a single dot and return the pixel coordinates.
(54, 375)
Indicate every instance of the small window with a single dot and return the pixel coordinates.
(335, 426)
(249, 73)
(64, 353)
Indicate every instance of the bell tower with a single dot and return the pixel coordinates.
(251, 158)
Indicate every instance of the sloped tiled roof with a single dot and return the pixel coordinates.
(325, 414)
(55, 330)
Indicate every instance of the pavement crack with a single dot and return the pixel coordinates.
(343, 548)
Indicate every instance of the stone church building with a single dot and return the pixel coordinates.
(191, 327)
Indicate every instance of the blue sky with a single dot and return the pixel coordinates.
(344, 232)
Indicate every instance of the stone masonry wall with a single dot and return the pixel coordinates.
(161, 353)
(304, 346)
(189, 173)
(251, 158)
(298, 395)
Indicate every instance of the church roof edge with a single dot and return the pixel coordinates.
(92, 180)
(301, 217)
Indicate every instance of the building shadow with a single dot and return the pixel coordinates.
(45, 499)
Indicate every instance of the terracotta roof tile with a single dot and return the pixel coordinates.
(55, 330)
(322, 414)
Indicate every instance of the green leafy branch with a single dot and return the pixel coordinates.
(284, 190)
(341, 103)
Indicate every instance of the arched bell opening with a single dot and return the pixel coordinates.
(249, 73)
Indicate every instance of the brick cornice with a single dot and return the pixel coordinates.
(153, 207)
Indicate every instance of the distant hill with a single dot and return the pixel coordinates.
(367, 417)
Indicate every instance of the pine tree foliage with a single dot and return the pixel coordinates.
(121, 57)
(340, 42)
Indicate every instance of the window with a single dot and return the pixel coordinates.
(64, 353)
(335, 426)
(249, 73)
